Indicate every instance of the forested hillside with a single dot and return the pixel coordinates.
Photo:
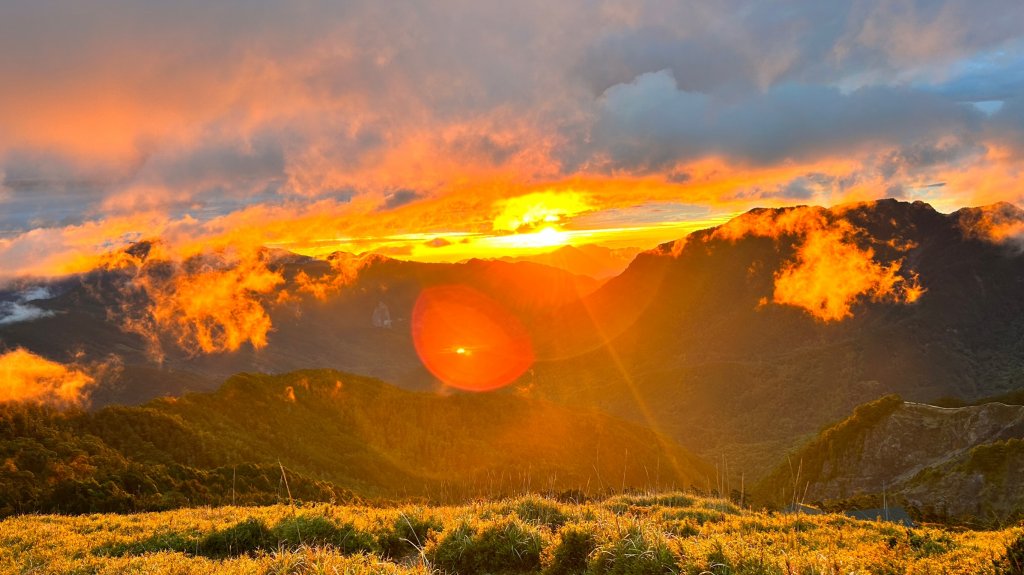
(330, 436)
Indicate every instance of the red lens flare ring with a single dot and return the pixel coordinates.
(468, 340)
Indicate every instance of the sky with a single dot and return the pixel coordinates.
(449, 129)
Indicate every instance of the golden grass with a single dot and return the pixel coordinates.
(668, 533)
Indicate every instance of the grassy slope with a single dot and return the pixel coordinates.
(669, 533)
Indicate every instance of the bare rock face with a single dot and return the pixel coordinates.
(963, 464)
(916, 437)
(984, 484)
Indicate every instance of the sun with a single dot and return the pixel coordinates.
(539, 208)
(545, 238)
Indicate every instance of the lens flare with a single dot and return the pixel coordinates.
(468, 340)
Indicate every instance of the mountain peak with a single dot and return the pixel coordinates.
(996, 222)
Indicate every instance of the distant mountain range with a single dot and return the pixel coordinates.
(589, 260)
(86, 318)
(740, 342)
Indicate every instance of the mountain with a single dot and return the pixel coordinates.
(319, 315)
(588, 260)
(740, 342)
(950, 464)
(708, 340)
(336, 434)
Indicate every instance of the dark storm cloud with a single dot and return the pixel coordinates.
(1008, 122)
(217, 161)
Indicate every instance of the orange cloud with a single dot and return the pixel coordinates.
(829, 272)
(998, 223)
(214, 301)
(469, 202)
(344, 270)
(188, 108)
(209, 304)
(538, 209)
(25, 376)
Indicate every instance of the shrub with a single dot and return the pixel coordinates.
(160, 541)
(697, 516)
(722, 507)
(540, 511)
(684, 528)
(665, 500)
(719, 564)
(926, 544)
(503, 546)
(318, 531)
(245, 537)
(572, 551)
(407, 536)
(574, 496)
(1012, 562)
(636, 553)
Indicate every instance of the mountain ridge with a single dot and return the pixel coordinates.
(339, 436)
(701, 338)
(697, 339)
(947, 464)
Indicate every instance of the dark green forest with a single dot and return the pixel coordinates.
(320, 436)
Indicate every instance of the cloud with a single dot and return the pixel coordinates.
(652, 124)
(830, 273)
(20, 308)
(15, 312)
(344, 269)
(400, 198)
(437, 243)
(830, 270)
(535, 210)
(211, 303)
(619, 58)
(25, 376)
(998, 223)
(142, 120)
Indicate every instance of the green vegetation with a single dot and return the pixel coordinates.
(623, 535)
(505, 545)
(58, 462)
(251, 535)
(992, 459)
(946, 466)
(320, 436)
(1012, 562)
